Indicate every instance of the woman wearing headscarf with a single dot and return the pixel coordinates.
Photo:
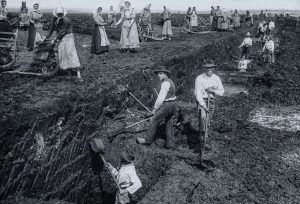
(167, 27)
(3, 11)
(129, 38)
(100, 40)
(194, 18)
(220, 18)
(67, 53)
(4, 25)
(188, 16)
(24, 16)
(146, 16)
(112, 16)
(236, 20)
(35, 27)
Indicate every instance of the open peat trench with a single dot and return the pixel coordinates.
(50, 158)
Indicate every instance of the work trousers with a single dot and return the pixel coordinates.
(167, 113)
(246, 51)
(203, 119)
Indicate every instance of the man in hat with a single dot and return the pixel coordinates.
(164, 110)
(246, 44)
(126, 178)
(207, 86)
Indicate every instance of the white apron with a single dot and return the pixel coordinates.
(67, 54)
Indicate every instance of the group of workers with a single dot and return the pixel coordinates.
(223, 20)
(207, 85)
(265, 35)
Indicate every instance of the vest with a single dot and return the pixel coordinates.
(171, 92)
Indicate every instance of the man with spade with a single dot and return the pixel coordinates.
(165, 109)
(207, 86)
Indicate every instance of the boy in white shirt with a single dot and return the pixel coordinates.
(268, 49)
(126, 178)
(246, 45)
(243, 64)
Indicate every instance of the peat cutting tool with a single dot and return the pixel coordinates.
(204, 137)
(140, 102)
(113, 134)
(97, 146)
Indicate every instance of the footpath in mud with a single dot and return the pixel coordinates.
(46, 126)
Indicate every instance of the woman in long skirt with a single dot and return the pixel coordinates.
(67, 53)
(112, 16)
(4, 24)
(24, 16)
(236, 20)
(194, 18)
(35, 27)
(129, 37)
(167, 27)
(100, 40)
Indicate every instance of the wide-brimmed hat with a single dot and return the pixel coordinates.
(209, 64)
(248, 34)
(128, 156)
(58, 10)
(162, 69)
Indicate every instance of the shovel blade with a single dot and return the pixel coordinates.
(97, 145)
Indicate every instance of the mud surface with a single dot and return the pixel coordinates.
(46, 126)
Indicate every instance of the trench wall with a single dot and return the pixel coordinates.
(45, 153)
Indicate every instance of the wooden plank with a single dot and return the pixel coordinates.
(8, 46)
(7, 33)
(8, 39)
(23, 73)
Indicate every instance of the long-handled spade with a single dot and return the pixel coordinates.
(204, 137)
(98, 147)
(111, 135)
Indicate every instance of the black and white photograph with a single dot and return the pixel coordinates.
(150, 102)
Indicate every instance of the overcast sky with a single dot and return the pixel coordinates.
(203, 5)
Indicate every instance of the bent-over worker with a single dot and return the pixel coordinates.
(126, 178)
(207, 86)
(164, 110)
(67, 53)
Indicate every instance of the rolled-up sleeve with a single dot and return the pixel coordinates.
(220, 89)
(198, 92)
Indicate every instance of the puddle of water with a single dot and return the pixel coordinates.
(234, 89)
(276, 117)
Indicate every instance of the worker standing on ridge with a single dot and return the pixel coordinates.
(246, 45)
(165, 109)
(207, 86)
(167, 26)
(212, 15)
(268, 50)
(126, 178)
